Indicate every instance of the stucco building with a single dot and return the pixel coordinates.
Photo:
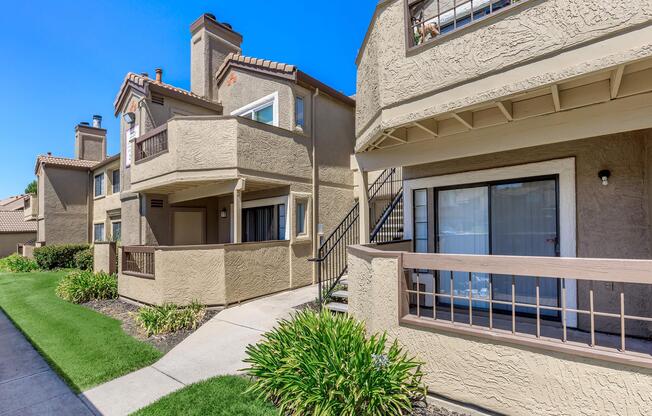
(524, 134)
(77, 199)
(228, 187)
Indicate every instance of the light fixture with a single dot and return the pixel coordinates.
(223, 213)
(129, 118)
(604, 175)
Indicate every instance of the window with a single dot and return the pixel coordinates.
(430, 19)
(115, 181)
(257, 224)
(264, 110)
(98, 232)
(298, 112)
(420, 220)
(301, 218)
(99, 185)
(116, 231)
(281, 221)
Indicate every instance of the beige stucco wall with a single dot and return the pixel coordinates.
(104, 257)
(612, 221)
(505, 378)
(63, 196)
(9, 242)
(389, 77)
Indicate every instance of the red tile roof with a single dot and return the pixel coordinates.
(14, 222)
(146, 82)
(254, 62)
(64, 162)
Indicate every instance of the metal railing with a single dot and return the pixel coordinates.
(430, 19)
(484, 296)
(385, 194)
(152, 143)
(138, 261)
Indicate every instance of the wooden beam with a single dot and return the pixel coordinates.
(615, 80)
(506, 108)
(392, 136)
(466, 118)
(555, 97)
(202, 191)
(433, 130)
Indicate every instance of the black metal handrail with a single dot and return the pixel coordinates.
(390, 226)
(385, 194)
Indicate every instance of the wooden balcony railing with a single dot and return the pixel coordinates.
(152, 143)
(501, 298)
(138, 261)
(431, 19)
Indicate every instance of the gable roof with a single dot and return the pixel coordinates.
(278, 69)
(66, 162)
(14, 222)
(145, 84)
(12, 203)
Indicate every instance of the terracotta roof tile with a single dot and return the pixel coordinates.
(66, 162)
(261, 63)
(13, 222)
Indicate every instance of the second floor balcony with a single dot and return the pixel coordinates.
(200, 150)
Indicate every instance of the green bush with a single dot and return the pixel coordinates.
(58, 257)
(84, 259)
(17, 264)
(81, 286)
(323, 364)
(170, 318)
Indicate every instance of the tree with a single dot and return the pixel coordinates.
(32, 187)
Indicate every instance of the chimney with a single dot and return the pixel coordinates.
(211, 41)
(90, 140)
(97, 121)
(159, 74)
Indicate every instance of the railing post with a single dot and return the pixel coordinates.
(363, 200)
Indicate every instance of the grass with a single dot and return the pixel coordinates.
(219, 396)
(85, 347)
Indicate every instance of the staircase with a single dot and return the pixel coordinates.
(386, 217)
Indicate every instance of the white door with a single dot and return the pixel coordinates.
(188, 228)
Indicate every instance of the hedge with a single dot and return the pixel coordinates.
(58, 256)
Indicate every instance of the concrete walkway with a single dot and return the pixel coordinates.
(28, 386)
(217, 348)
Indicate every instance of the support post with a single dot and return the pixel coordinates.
(363, 200)
(237, 212)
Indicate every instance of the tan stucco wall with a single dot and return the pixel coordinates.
(527, 35)
(9, 242)
(104, 258)
(612, 221)
(65, 206)
(501, 377)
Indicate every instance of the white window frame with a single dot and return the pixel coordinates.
(259, 105)
(564, 168)
(279, 200)
(103, 231)
(298, 98)
(112, 223)
(103, 193)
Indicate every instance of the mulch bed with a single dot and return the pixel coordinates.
(430, 409)
(124, 312)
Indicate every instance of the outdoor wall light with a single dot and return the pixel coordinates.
(223, 213)
(129, 118)
(604, 176)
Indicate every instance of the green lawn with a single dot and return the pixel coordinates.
(85, 347)
(219, 396)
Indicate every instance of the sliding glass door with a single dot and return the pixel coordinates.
(516, 218)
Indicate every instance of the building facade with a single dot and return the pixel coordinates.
(523, 131)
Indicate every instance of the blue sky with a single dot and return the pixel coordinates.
(64, 61)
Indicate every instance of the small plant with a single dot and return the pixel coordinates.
(84, 259)
(18, 264)
(170, 318)
(80, 286)
(58, 257)
(323, 364)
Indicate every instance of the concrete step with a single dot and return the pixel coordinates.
(338, 307)
(340, 294)
(344, 281)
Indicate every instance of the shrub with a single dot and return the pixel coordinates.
(170, 318)
(58, 257)
(18, 264)
(81, 286)
(323, 364)
(84, 259)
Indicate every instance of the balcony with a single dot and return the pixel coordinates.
(200, 151)
(30, 209)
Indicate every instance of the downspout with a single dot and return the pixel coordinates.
(315, 187)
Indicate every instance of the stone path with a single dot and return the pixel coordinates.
(217, 348)
(28, 386)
